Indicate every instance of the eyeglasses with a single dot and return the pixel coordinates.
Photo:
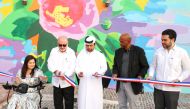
(62, 45)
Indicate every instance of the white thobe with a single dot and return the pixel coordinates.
(90, 93)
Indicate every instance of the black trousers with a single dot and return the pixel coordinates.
(165, 99)
(66, 93)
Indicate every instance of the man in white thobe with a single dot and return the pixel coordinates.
(89, 64)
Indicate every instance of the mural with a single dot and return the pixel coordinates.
(32, 27)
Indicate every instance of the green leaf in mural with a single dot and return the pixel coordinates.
(17, 23)
(34, 29)
(22, 25)
(46, 42)
(112, 43)
(18, 4)
(73, 44)
(121, 6)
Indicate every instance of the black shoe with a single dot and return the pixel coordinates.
(44, 108)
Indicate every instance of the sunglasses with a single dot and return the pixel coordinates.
(62, 45)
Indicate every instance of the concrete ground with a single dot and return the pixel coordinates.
(145, 101)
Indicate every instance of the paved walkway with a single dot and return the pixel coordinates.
(145, 101)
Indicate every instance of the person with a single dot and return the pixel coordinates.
(89, 64)
(61, 62)
(31, 75)
(129, 62)
(171, 63)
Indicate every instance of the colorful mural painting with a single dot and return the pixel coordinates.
(34, 27)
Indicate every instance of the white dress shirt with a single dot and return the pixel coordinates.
(64, 62)
(170, 65)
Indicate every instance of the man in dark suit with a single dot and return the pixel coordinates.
(129, 62)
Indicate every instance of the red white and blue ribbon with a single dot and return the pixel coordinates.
(184, 84)
(71, 82)
(6, 74)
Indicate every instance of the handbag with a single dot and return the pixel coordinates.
(22, 88)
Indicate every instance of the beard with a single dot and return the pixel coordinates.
(89, 50)
(167, 46)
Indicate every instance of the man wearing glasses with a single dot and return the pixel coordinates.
(62, 62)
(89, 64)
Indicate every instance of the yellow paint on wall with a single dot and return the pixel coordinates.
(59, 16)
(142, 3)
(5, 10)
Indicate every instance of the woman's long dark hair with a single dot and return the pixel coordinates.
(25, 66)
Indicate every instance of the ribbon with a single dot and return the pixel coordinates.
(6, 74)
(71, 82)
(184, 84)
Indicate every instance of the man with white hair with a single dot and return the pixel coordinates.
(89, 64)
(61, 62)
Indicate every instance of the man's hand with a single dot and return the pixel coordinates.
(17, 80)
(61, 76)
(96, 74)
(114, 76)
(139, 77)
(43, 78)
(81, 74)
(176, 80)
(57, 73)
(149, 78)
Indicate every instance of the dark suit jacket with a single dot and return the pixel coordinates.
(138, 66)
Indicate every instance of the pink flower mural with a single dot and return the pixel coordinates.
(71, 18)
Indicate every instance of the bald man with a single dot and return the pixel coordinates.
(61, 62)
(129, 62)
